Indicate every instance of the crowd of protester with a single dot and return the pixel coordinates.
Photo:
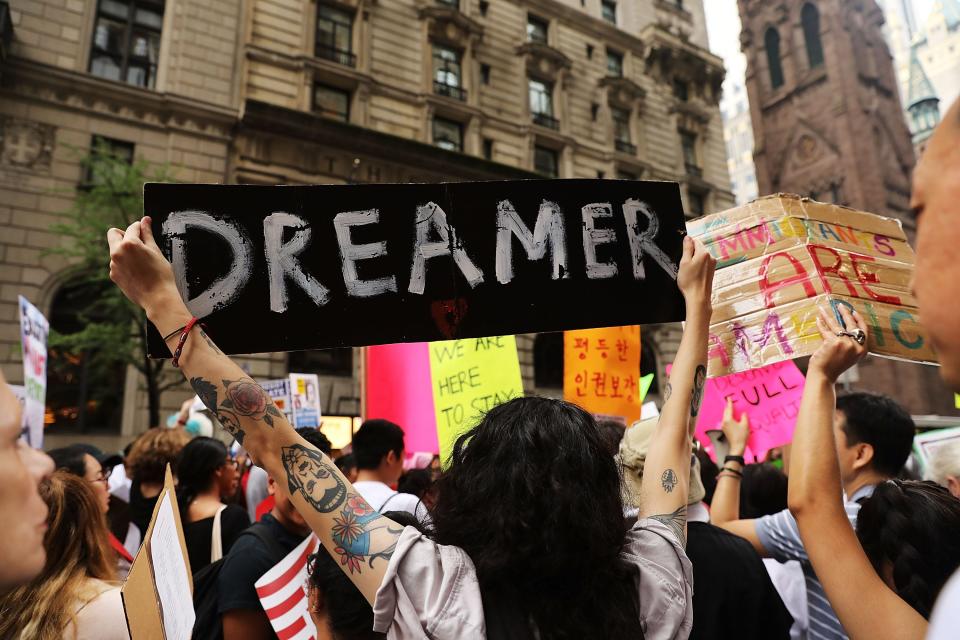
(545, 523)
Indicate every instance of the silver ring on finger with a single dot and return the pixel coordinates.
(859, 335)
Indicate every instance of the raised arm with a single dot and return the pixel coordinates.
(725, 508)
(866, 607)
(346, 525)
(666, 473)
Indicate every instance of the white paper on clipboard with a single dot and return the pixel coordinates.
(170, 575)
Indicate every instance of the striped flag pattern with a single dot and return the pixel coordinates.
(283, 593)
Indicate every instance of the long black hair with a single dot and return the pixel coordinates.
(534, 497)
(910, 527)
(196, 465)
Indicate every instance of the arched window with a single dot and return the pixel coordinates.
(810, 18)
(772, 43)
(84, 379)
(548, 361)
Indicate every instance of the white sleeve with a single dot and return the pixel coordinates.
(429, 591)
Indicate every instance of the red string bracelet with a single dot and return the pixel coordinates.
(183, 340)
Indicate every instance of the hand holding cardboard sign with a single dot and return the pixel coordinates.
(736, 431)
(138, 267)
(840, 349)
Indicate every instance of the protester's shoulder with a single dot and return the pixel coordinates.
(429, 584)
(236, 516)
(780, 536)
(103, 616)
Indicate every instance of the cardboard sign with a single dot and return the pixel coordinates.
(601, 371)
(770, 396)
(34, 329)
(305, 398)
(283, 593)
(158, 593)
(470, 377)
(282, 268)
(782, 257)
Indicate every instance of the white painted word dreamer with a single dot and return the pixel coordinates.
(434, 238)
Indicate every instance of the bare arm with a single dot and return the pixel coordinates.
(666, 473)
(344, 522)
(866, 607)
(725, 507)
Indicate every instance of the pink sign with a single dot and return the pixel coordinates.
(771, 397)
(399, 389)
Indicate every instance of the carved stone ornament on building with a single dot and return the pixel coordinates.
(25, 144)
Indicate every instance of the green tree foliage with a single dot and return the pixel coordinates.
(106, 331)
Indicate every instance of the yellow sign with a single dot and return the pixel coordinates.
(601, 371)
(469, 378)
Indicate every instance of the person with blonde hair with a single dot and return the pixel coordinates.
(146, 465)
(76, 596)
(944, 467)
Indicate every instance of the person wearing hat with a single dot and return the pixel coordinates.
(733, 595)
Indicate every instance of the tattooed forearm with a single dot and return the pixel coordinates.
(668, 480)
(677, 521)
(242, 399)
(210, 343)
(309, 474)
(362, 534)
(667, 392)
(699, 379)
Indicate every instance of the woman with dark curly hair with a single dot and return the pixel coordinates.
(529, 537)
(883, 580)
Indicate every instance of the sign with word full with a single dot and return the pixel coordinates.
(284, 268)
(781, 257)
(770, 396)
(34, 330)
(470, 377)
(601, 371)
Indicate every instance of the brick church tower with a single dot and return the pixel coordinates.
(828, 124)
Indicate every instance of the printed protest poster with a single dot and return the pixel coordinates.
(770, 396)
(601, 371)
(397, 387)
(782, 257)
(470, 377)
(305, 397)
(34, 329)
(283, 594)
(437, 261)
(279, 392)
(925, 444)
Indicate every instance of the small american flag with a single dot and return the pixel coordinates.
(283, 593)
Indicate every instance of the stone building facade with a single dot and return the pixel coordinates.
(346, 91)
(828, 124)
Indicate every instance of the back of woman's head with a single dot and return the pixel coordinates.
(763, 491)
(908, 529)
(196, 465)
(153, 451)
(533, 496)
(77, 549)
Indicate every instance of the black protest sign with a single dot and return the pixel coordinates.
(284, 268)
